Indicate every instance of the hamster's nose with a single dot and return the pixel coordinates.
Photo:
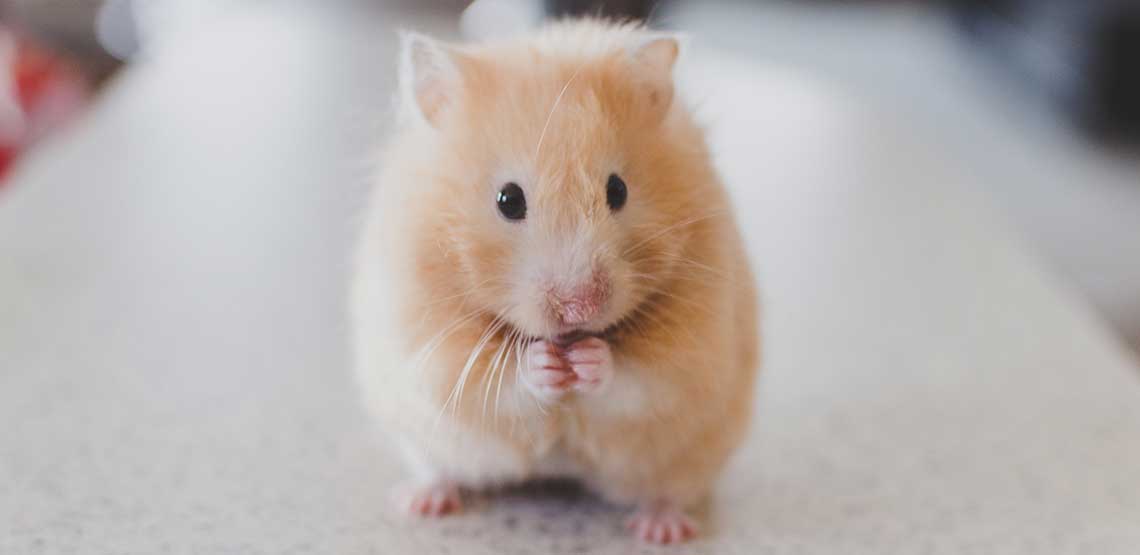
(579, 304)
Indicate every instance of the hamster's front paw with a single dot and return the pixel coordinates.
(546, 374)
(592, 364)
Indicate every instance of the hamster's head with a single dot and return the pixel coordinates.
(559, 188)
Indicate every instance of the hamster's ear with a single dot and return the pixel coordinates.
(653, 60)
(429, 77)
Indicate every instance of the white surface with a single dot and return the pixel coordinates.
(173, 374)
(1078, 205)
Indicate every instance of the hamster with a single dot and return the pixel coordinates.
(550, 279)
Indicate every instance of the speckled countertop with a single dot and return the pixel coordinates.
(172, 340)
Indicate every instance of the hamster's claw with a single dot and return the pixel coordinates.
(546, 374)
(661, 525)
(592, 363)
(432, 500)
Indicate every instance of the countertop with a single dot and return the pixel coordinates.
(173, 349)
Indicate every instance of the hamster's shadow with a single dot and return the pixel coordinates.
(545, 501)
(553, 515)
(558, 512)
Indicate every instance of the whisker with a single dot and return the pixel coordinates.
(705, 267)
(489, 376)
(675, 296)
(550, 116)
(473, 357)
(443, 335)
(512, 342)
(433, 344)
(681, 259)
(463, 294)
(461, 382)
(670, 228)
(649, 277)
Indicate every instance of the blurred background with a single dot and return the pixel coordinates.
(1038, 101)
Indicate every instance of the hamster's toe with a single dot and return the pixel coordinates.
(661, 524)
(592, 364)
(432, 500)
(546, 374)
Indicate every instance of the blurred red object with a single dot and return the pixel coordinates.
(39, 91)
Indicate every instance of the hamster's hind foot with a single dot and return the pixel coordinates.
(430, 500)
(661, 523)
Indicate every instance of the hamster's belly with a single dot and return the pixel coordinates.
(557, 463)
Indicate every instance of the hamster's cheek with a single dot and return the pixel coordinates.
(487, 261)
(624, 292)
(525, 311)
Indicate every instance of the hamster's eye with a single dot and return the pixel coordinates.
(512, 201)
(615, 192)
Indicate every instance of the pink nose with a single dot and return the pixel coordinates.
(580, 304)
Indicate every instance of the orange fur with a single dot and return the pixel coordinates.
(439, 269)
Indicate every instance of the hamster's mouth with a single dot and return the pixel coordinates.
(573, 336)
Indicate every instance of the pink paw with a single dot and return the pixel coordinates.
(661, 524)
(592, 364)
(546, 373)
(432, 500)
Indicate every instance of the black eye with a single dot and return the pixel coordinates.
(615, 192)
(511, 201)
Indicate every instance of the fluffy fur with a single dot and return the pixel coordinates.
(450, 298)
